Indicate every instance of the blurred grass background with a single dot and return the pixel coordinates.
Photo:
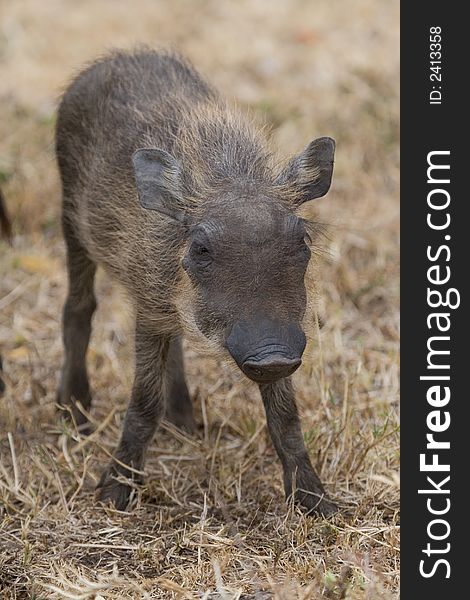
(211, 521)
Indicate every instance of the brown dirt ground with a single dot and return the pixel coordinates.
(211, 521)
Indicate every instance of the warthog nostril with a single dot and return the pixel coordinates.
(270, 368)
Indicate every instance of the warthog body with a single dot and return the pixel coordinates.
(5, 225)
(176, 195)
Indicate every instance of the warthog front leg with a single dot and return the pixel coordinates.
(300, 478)
(145, 410)
(179, 408)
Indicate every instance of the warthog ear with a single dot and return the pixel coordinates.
(310, 172)
(158, 179)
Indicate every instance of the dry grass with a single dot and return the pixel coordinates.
(211, 521)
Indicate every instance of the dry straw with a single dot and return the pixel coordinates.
(211, 521)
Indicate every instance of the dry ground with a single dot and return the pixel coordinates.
(211, 522)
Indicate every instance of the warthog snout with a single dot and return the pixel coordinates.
(266, 350)
(270, 369)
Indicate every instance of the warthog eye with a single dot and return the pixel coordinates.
(198, 259)
(200, 250)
